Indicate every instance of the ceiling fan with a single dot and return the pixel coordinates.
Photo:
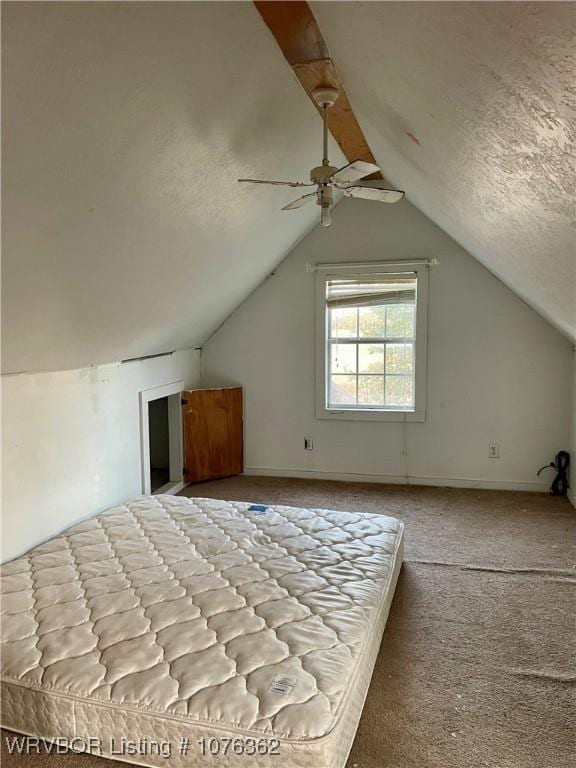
(326, 178)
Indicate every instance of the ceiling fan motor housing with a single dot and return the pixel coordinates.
(322, 174)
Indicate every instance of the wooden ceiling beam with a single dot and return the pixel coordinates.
(297, 33)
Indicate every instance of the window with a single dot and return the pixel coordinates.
(372, 342)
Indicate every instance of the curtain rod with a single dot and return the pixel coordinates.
(364, 264)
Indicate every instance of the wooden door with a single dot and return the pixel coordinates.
(213, 433)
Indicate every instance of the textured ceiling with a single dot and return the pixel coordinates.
(470, 107)
(126, 126)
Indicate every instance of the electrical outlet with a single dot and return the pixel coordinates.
(493, 451)
(308, 444)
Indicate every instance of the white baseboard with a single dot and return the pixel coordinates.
(173, 487)
(572, 497)
(359, 477)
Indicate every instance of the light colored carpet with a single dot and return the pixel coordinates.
(477, 665)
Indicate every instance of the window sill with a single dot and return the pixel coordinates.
(370, 415)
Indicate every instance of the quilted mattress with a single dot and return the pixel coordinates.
(184, 632)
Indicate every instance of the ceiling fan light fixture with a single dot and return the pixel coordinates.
(326, 177)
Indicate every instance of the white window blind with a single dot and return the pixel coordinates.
(376, 291)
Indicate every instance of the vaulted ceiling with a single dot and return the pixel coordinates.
(126, 126)
(471, 107)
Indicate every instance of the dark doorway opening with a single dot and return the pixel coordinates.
(159, 437)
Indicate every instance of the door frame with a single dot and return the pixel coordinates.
(173, 391)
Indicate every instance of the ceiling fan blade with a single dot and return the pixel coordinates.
(374, 193)
(373, 184)
(353, 172)
(300, 201)
(279, 183)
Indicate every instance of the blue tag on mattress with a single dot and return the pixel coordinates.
(257, 508)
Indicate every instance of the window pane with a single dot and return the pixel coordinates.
(400, 391)
(410, 320)
(342, 390)
(343, 358)
(399, 358)
(344, 323)
(399, 321)
(372, 322)
(371, 390)
(371, 358)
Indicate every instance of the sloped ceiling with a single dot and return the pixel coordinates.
(471, 108)
(126, 126)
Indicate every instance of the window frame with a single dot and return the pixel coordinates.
(372, 413)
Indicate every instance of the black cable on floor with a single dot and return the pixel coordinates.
(561, 463)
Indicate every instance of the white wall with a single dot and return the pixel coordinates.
(71, 443)
(497, 370)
